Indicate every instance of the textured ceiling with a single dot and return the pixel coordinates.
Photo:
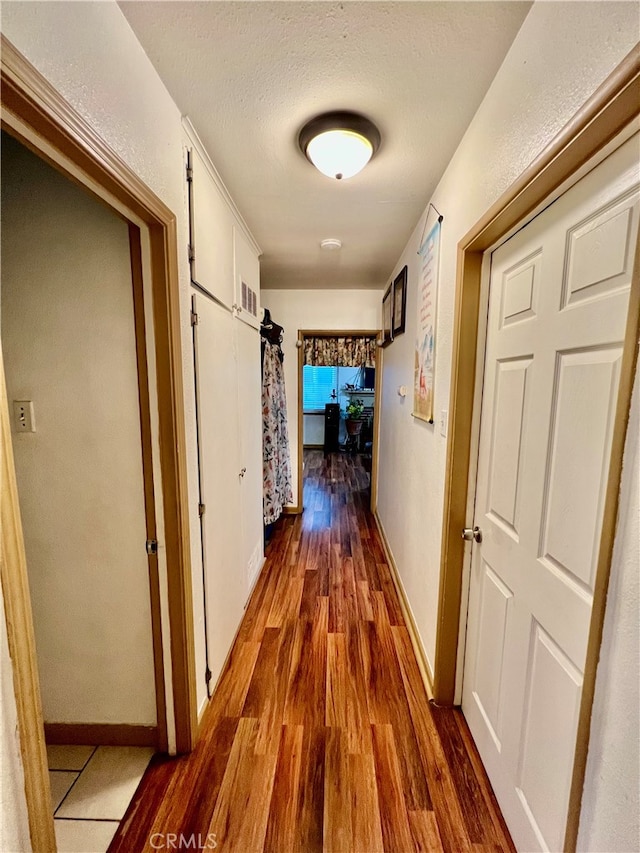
(250, 74)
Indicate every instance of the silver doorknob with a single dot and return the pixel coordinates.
(243, 471)
(470, 533)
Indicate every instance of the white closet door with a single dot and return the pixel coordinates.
(211, 233)
(225, 582)
(250, 441)
(557, 312)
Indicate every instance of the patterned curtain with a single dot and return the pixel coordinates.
(276, 459)
(340, 352)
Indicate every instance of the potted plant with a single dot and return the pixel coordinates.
(353, 420)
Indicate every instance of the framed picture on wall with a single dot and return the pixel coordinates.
(400, 302)
(387, 316)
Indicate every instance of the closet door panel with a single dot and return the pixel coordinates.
(250, 434)
(216, 376)
(212, 234)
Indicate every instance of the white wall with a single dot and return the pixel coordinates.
(328, 310)
(69, 346)
(560, 56)
(114, 86)
(610, 818)
(313, 430)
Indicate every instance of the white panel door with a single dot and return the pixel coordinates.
(250, 437)
(557, 311)
(216, 377)
(211, 234)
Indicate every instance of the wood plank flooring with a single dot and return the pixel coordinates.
(319, 736)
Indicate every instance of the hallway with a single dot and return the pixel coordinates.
(319, 735)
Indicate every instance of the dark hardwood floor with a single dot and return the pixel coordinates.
(319, 736)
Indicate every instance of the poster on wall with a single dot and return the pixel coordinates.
(426, 326)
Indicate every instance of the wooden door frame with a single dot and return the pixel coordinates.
(37, 115)
(610, 110)
(333, 333)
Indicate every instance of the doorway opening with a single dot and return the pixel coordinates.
(71, 343)
(35, 114)
(338, 407)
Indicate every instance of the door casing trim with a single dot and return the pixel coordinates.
(603, 117)
(60, 135)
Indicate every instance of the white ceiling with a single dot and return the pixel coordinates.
(250, 74)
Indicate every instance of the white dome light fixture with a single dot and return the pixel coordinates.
(339, 144)
(331, 244)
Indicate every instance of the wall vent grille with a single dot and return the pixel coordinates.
(249, 300)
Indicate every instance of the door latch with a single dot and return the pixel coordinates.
(471, 533)
(152, 547)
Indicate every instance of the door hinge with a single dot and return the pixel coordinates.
(194, 318)
(191, 253)
(152, 547)
(189, 174)
(201, 509)
(207, 675)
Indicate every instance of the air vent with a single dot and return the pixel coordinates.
(249, 300)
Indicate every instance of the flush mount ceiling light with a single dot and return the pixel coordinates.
(339, 144)
(331, 244)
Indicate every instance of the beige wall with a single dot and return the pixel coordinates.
(315, 309)
(69, 346)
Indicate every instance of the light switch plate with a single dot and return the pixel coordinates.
(23, 416)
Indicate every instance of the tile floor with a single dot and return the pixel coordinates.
(91, 788)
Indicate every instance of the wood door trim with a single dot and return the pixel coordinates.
(291, 510)
(22, 646)
(101, 734)
(299, 503)
(377, 404)
(29, 100)
(135, 249)
(603, 117)
(28, 95)
(334, 333)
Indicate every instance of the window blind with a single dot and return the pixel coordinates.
(318, 383)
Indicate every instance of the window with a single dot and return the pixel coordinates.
(318, 383)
